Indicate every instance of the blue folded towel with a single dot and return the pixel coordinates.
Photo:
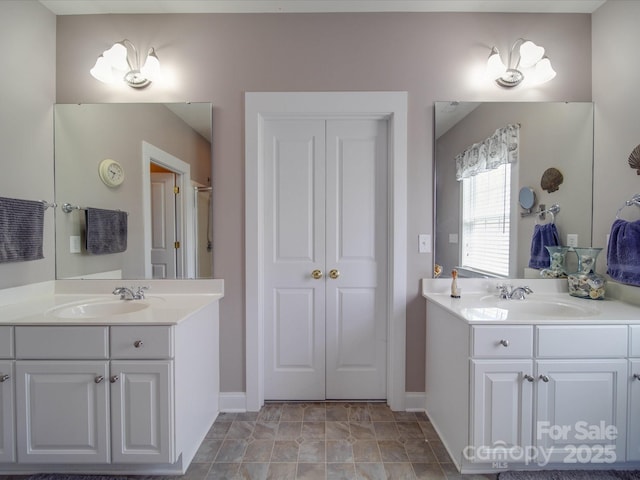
(106, 231)
(623, 253)
(543, 236)
(21, 230)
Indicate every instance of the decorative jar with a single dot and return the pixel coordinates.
(557, 267)
(586, 283)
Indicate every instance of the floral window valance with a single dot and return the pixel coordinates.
(498, 149)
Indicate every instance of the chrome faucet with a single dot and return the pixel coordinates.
(506, 292)
(128, 294)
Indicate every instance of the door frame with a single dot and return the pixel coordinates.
(391, 106)
(184, 206)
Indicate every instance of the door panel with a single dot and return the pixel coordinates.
(294, 247)
(356, 229)
(163, 225)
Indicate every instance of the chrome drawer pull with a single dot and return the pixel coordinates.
(544, 378)
(504, 343)
(137, 343)
(114, 378)
(98, 379)
(4, 378)
(528, 377)
(636, 376)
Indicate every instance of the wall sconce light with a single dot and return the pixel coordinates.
(116, 64)
(530, 58)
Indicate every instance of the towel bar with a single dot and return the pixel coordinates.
(49, 205)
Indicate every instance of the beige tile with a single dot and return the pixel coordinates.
(285, 451)
(313, 430)
(370, 471)
(282, 471)
(366, 451)
(253, 471)
(337, 430)
(231, 451)
(223, 471)
(399, 471)
(312, 451)
(258, 451)
(392, 451)
(339, 451)
(311, 471)
(288, 430)
(341, 471)
(362, 430)
(386, 430)
(428, 471)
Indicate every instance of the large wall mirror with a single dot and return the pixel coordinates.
(554, 135)
(163, 152)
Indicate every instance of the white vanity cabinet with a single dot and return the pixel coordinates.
(530, 395)
(106, 398)
(633, 434)
(142, 406)
(7, 382)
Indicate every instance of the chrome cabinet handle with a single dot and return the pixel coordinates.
(98, 379)
(636, 376)
(114, 378)
(137, 343)
(528, 377)
(4, 378)
(544, 378)
(504, 343)
(333, 274)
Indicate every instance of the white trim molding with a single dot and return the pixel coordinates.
(389, 105)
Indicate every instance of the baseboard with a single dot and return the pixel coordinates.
(414, 401)
(232, 402)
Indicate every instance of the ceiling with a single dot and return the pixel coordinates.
(85, 7)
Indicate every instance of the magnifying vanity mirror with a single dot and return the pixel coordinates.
(551, 134)
(150, 160)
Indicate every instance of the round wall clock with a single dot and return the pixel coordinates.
(111, 172)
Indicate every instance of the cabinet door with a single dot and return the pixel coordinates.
(581, 410)
(7, 432)
(633, 435)
(502, 412)
(62, 411)
(142, 411)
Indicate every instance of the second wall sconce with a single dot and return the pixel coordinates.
(529, 59)
(122, 63)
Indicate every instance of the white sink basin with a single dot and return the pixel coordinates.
(492, 308)
(96, 309)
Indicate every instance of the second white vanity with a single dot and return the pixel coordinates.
(90, 383)
(551, 381)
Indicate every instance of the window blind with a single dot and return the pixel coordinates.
(486, 200)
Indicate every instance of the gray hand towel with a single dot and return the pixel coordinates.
(21, 230)
(106, 231)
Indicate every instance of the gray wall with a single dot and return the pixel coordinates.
(217, 57)
(27, 95)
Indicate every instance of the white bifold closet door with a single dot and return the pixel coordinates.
(325, 250)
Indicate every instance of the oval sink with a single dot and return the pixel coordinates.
(547, 308)
(491, 307)
(98, 309)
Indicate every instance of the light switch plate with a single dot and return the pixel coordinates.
(572, 239)
(74, 244)
(424, 243)
(453, 238)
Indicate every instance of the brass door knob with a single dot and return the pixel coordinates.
(334, 274)
(317, 274)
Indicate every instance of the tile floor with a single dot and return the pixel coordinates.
(288, 441)
(320, 441)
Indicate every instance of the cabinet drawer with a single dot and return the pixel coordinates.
(141, 342)
(6, 342)
(634, 348)
(595, 341)
(62, 342)
(502, 341)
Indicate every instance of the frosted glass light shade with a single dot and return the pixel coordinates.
(530, 54)
(495, 66)
(117, 56)
(543, 71)
(151, 67)
(102, 70)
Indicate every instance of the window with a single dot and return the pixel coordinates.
(486, 221)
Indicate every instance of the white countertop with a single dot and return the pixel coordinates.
(479, 303)
(167, 301)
